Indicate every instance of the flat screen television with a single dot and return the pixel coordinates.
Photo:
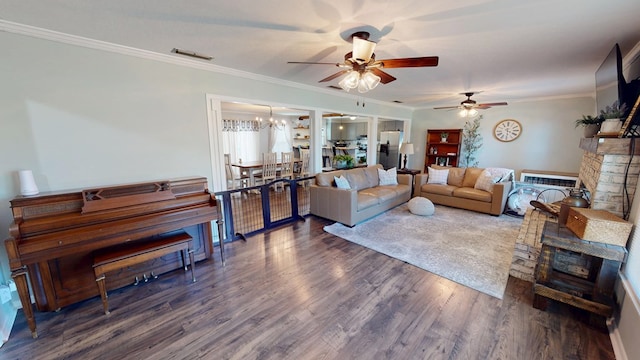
(610, 83)
(611, 87)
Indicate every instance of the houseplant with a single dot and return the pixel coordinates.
(471, 143)
(591, 125)
(443, 136)
(342, 161)
(612, 117)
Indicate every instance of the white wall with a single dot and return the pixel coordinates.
(80, 117)
(549, 139)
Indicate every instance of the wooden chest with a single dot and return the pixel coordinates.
(599, 226)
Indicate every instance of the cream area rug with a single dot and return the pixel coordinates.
(470, 248)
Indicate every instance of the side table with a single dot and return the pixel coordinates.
(413, 174)
(577, 272)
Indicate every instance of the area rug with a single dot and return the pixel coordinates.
(467, 247)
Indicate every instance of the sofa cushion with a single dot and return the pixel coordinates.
(456, 176)
(372, 174)
(472, 194)
(357, 179)
(388, 177)
(438, 189)
(471, 176)
(341, 182)
(384, 193)
(367, 200)
(437, 176)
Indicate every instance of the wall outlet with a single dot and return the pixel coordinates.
(12, 286)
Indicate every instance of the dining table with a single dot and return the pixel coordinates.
(255, 166)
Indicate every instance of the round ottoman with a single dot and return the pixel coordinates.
(421, 206)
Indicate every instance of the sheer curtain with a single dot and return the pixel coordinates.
(280, 139)
(241, 139)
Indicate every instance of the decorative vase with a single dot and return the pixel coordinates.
(611, 126)
(340, 164)
(591, 130)
(444, 140)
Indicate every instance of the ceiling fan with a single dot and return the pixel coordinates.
(469, 107)
(363, 71)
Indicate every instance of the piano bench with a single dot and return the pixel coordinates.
(139, 253)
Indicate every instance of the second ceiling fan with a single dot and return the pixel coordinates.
(469, 107)
(363, 71)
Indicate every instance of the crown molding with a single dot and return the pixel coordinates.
(40, 33)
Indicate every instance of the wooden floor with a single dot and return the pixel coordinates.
(300, 293)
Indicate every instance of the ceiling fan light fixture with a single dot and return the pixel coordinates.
(362, 50)
(368, 81)
(350, 81)
(468, 112)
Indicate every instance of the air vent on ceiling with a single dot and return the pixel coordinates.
(191, 53)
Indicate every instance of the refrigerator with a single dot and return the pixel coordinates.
(389, 149)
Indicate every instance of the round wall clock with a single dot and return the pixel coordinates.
(507, 130)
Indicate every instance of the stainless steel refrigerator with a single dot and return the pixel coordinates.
(389, 149)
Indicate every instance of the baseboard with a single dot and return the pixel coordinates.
(624, 327)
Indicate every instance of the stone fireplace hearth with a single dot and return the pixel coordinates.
(610, 172)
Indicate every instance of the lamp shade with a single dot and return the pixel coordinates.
(406, 149)
(28, 185)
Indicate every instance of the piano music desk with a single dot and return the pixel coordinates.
(139, 253)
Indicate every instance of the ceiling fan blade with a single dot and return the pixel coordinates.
(336, 75)
(493, 104)
(384, 77)
(446, 107)
(409, 62)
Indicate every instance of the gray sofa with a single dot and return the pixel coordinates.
(365, 199)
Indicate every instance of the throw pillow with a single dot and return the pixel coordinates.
(388, 177)
(485, 181)
(342, 182)
(437, 176)
(471, 176)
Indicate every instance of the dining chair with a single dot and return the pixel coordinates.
(286, 169)
(269, 168)
(241, 180)
(304, 168)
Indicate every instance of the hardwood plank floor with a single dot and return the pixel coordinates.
(300, 293)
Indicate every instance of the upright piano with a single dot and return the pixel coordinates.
(53, 236)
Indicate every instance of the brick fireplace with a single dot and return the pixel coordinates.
(602, 172)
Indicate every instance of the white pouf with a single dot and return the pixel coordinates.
(421, 206)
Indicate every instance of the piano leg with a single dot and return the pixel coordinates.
(103, 292)
(20, 278)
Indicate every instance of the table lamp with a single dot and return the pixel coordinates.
(406, 149)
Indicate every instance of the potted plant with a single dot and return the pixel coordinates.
(343, 161)
(612, 117)
(591, 125)
(443, 136)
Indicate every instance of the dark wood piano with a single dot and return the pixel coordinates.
(53, 236)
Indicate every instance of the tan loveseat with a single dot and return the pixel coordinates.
(463, 190)
(365, 199)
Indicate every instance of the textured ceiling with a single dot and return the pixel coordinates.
(507, 50)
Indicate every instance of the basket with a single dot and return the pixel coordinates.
(599, 226)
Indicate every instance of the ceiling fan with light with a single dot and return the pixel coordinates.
(469, 107)
(363, 71)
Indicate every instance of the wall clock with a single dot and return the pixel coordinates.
(507, 130)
